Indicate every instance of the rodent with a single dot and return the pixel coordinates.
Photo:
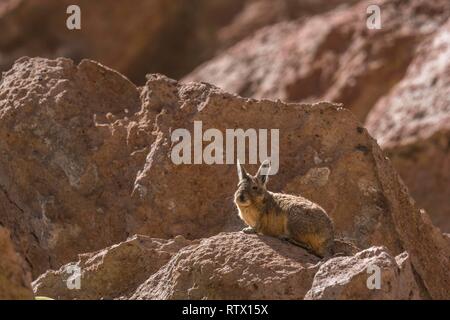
(288, 217)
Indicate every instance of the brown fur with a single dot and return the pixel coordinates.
(288, 217)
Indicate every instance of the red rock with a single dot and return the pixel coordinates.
(352, 278)
(114, 272)
(412, 124)
(14, 276)
(230, 266)
(332, 56)
(171, 37)
(233, 266)
(85, 155)
(116, 33)
(59, 154)
(260, 13)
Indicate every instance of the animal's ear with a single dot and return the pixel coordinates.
(241, 171)
(263, 172)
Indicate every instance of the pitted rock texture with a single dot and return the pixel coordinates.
(230, 266)
(233, 266)
(351, 278)
(324, 155)
(15, 277)
(59, 155)
(85, 160)
(113, 272)
(412, 124)
(332, 56)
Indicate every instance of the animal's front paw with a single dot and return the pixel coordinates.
(248, 230)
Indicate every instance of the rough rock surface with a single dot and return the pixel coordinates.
(116, 33)
(412, 124)
(85, 162)
(349, 278)
(15, 278)
(38, 28)
(256, 14)
(320, 158)
(332, 56)
(230, 266)
(58, 144)
(171, 37)
(113, 272)
(233, 266)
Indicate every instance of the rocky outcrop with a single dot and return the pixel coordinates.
(88, 158)
(257, 14)
(15, 278)
(333, 56)
(85, 160)
(233, 266)
(171, 37)
(412, 124)
(226, 266)
(38, 28)
(59, 156)
(351, 278)
(113, 272)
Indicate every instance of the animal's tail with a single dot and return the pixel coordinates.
(344, 248)
(302, 245)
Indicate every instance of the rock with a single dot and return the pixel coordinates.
(331, 56)
(59, 155)
(15, 279)
(233, 266)
(85, 161)
(112, 272)
(324, 155)
(412, 124)
(350, 278)
(260, 13)
(23, 234)
(171, 37)
(38, 28)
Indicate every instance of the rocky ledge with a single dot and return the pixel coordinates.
(85, 164)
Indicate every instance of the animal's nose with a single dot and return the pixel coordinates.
(241, 198)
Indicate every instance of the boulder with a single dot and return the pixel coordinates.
(86, 160)
(64, 129)
(113, 272)
(38, 28)
(256, 14)
(171, 37)
(15, 277)
(354, 278)
(233, 266)
(412, 125)
(331, 56)
(230, 265)
(324, 155)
